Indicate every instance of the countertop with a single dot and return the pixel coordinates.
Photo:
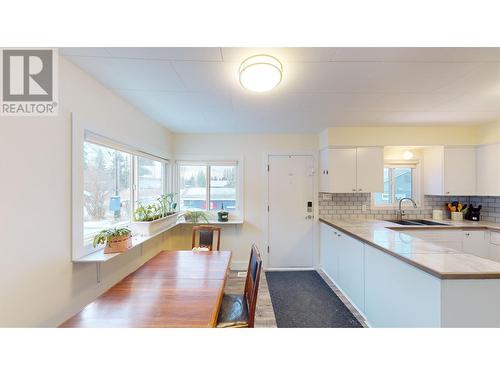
(437, 260)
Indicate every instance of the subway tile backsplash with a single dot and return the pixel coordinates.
(350, 206)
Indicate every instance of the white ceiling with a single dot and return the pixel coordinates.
(196, 90)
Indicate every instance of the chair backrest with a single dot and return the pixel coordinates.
(252, 283)
(205, 236)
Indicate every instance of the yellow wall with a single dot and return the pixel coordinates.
(489, 133)
(400, 136)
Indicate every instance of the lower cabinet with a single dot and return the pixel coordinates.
(329, 251)
(398, 294)
(351, 279)
(392, 293)
(474, 243)
(342, 261)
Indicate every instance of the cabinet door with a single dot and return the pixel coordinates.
(370, 169)
(351, 270)
(329, 251)
(433, 170)
(460, 171)
(324, 177)
(474, 243)
(342, 170)
(488, 170)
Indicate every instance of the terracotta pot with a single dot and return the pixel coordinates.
(118, 244)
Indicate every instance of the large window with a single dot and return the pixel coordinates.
(150, 180)
(116, 182)
(106, 188)
(400, 181)
(208, 186)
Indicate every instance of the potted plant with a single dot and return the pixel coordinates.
(195, 217)
(117, 240)
(153, 218)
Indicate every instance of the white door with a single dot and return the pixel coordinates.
(291, 195)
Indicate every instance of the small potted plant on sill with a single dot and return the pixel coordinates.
(195, 217)
(117, 240)
(153, 218)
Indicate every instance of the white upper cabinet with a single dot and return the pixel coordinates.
(370, 169)
(349, 170)
(449, 170)
(488, 169)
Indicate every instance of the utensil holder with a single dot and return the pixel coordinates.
(457, 216)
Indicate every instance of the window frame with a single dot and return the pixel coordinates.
(207, 163)
(82, 132)
(416, 190)
(87, 239)
(135, 178)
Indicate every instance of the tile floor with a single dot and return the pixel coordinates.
(264, 314)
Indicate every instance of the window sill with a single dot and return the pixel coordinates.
(98, 256)
(212, 221)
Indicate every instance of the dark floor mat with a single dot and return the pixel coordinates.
(304, 299)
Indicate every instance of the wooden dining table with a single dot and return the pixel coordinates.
(173, 289)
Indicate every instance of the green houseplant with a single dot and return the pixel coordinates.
(196, 216)
(152, 218)
(117, 240)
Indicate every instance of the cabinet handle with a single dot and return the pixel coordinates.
(360, 189)
(447, 192)
(353, 189)
(467, 234)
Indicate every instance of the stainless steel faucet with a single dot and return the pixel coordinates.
(401, 212)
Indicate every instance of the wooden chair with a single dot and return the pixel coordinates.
(205, 236)
(238, 311)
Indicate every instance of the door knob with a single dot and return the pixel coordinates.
(309, 217)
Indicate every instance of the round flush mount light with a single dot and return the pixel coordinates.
(407, 155)
(260, 73)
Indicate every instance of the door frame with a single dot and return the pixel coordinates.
(315, 227)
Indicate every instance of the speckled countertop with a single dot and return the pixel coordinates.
(440, 261)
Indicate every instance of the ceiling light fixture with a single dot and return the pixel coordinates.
(260, 73)
(407, 155)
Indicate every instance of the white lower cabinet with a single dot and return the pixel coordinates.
(351, 278)
(398, 294)
(328, 249)
(473, 242)
(392, 293)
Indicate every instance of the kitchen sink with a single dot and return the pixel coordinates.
(416, 222)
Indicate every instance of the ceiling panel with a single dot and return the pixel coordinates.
(375, 77)
(208, 76)
(164, 108)
(193, 90)
(171, 53)
(84, 51)
(299, 54)
(450, 54)
(131, 74)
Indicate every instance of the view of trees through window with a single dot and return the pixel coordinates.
(106, 187)
(149, 180)
(193, 193)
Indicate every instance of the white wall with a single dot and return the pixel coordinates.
(39, 285)
(253, 149)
